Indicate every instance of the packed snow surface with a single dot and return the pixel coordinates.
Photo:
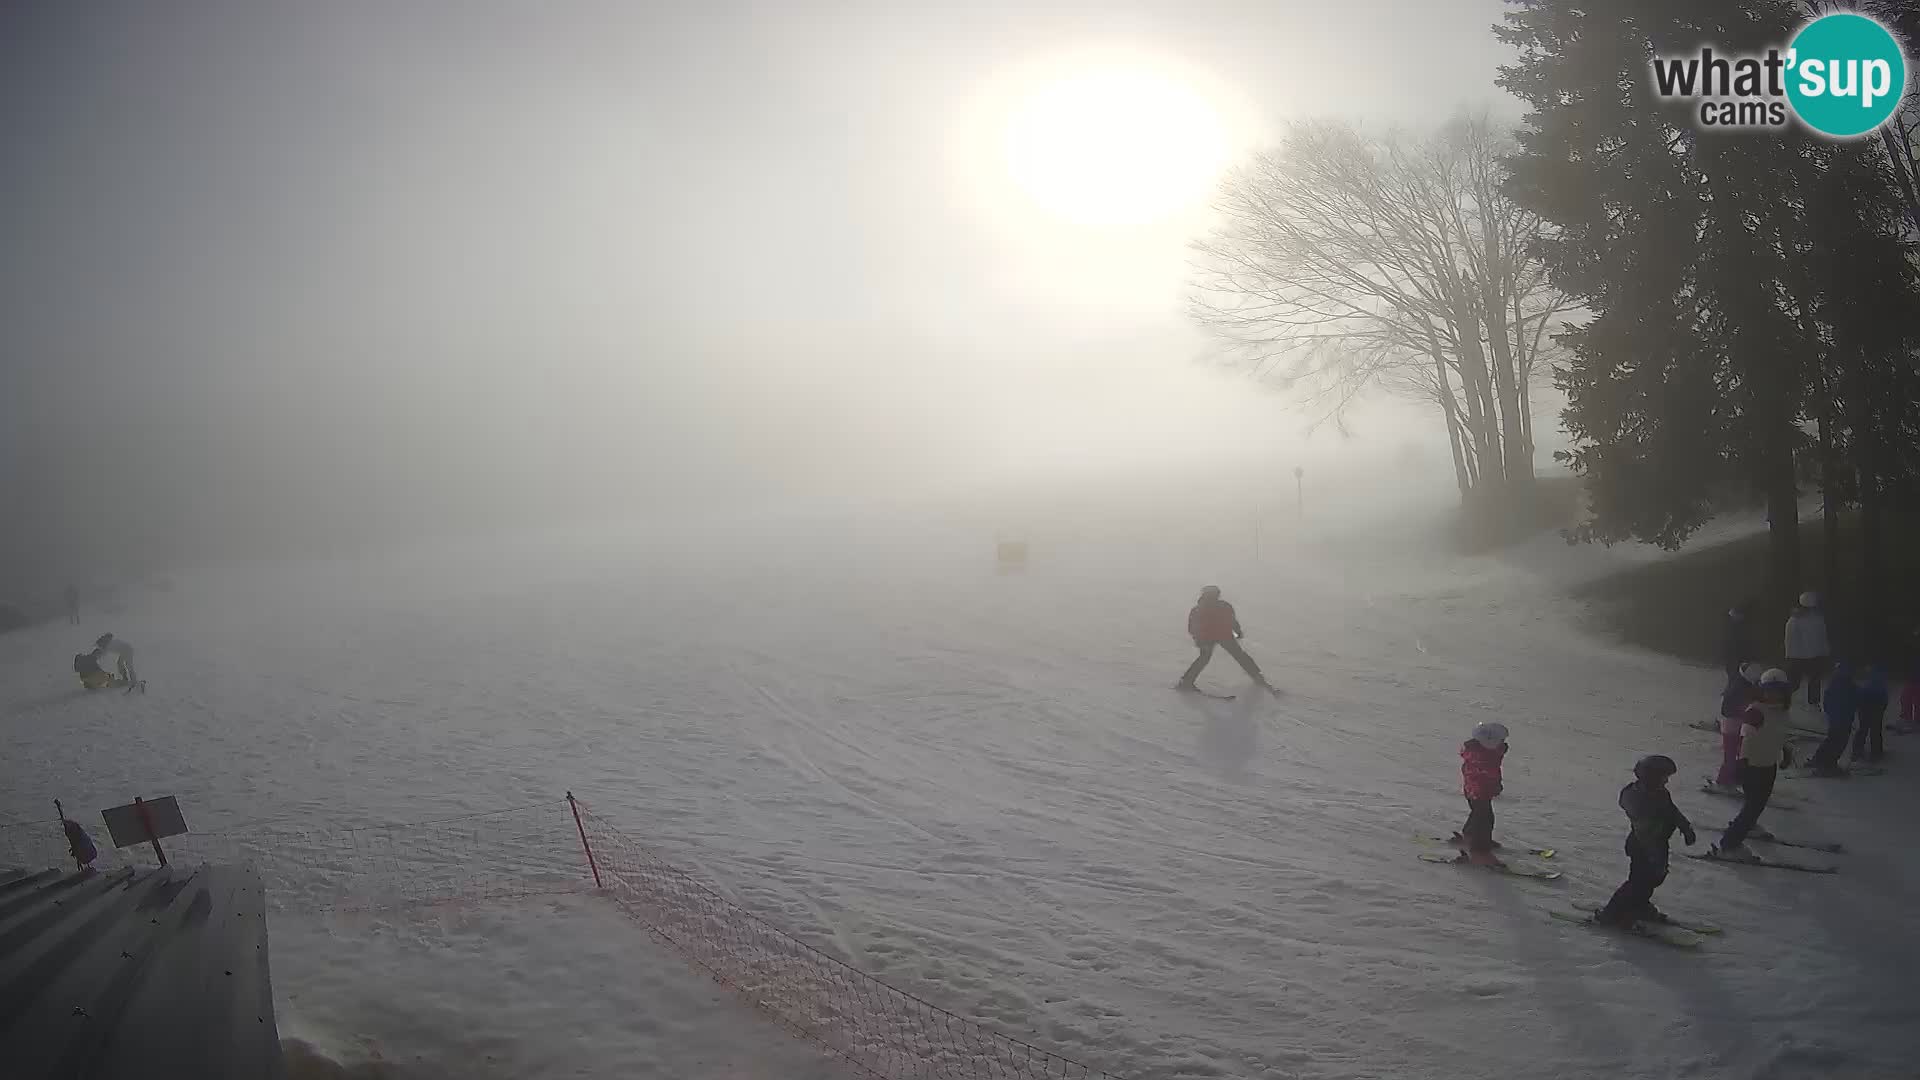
(979, 787)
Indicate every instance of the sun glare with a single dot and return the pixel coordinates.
(1115, 147)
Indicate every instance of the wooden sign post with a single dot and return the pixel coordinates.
(143, 822)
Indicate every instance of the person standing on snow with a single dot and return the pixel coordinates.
(73, 605)
(1733, 642)
(1870, 706)
(1654, 819)
(1807, 649)
(122, 656)
(1211, 623)
(1841, 702)
(1910, 702)
(1763, 749)
(1480, 759)
(1741, 692)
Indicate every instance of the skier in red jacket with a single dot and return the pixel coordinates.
(1480, 759)
(1210, 623)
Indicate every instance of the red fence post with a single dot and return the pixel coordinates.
(584, 846)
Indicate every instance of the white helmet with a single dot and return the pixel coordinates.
(1775, 679)
(1490, 734)
(1809, 599)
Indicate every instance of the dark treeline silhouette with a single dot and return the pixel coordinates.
(1753, 305)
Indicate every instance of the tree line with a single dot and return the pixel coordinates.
(1732, 317)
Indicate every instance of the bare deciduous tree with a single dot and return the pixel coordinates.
(1345, 262)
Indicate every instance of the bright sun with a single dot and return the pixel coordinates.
(1115, 147)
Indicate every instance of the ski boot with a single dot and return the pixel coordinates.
(1736, 853)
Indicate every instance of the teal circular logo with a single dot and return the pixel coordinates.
(1846, 75)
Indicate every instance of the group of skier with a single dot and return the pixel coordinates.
(1755, 728)
(1652, 816)
(1853, 697)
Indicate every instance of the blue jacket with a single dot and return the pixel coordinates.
(1737, 696)
(1841, 697)
(1872, 694)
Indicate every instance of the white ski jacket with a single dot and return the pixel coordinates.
(1807, 636)
(1763, 732)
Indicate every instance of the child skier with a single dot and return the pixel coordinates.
(1841, 702)
(1480, 758)
(1869, 734)
(1654, 820)
(1741, 691)
(1213, 622)
(1763, 749)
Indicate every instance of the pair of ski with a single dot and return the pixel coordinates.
(1857, 770)
(1512, 869)
(1769, 838)
(1275, 691)
(1681, 934)
(1796, 733)
(1712, 788)
(1761, 860)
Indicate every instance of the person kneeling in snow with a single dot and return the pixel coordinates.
(1480, 758)
(1213, 622)
(92, 675)
(122, 656)
(1654, 819)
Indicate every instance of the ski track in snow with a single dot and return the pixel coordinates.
(981, 789)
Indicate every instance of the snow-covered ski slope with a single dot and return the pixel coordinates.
(980, 788)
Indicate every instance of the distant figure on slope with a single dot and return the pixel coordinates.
(1763, 749)
(1841, 702)
(1480, 759)
(1807, 648)
(1733, 642)
(73, 604)
(1211, 623)
(1910, 702)
(122, 656)
(1870, 711)
(1654, 819)
(1742, 690)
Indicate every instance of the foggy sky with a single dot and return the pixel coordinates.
(275, 271)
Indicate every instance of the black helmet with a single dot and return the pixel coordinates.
(1654, 765)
